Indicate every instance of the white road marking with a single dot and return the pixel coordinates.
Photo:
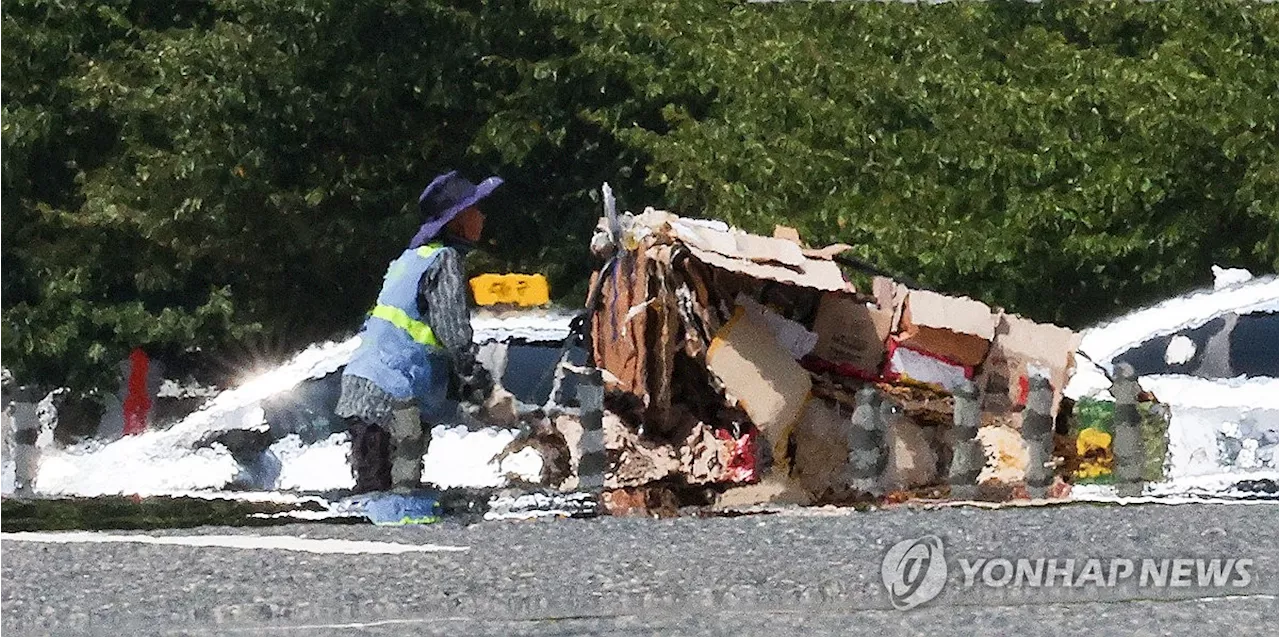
(299, 627)
(1224, 598)
(277, 542)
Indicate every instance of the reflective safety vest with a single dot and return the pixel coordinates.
(398, 351)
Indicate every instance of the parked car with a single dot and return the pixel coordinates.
(278, 430)
(1211, 357)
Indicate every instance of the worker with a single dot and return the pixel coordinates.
(416, 337)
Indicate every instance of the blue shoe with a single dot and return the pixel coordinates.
(397, 509)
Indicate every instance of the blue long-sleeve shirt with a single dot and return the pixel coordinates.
(442, 301)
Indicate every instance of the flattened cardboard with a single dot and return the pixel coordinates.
(767, 382)
(851, 332)
(773, 489)
(618, 337)
(817, 274)
(645, 501)
(771, 258)
(958, 329)
(1022, 344)
(737, 244)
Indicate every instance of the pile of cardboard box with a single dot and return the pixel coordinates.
(732, 361)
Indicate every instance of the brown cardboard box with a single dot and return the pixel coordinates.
(767, 382)
(1020, 345)
(959, 329)
(851, 332)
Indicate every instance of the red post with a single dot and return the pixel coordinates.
(137, 402)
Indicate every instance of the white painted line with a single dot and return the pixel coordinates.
(1226, 598)
(277, 542)
(305, 515)
(1122, 501)
(300, 627)
(1167, 499)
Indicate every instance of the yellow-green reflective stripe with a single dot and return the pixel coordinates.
(418, 331)
(428, 250)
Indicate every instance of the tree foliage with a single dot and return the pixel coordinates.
(194, 176)
(244, 171)
(1063, 160)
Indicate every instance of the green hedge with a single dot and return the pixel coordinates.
(229, 179)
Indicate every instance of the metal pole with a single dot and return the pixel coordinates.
(1126, 442)
(8, 440)
(1037, 432)
(591, 453)
(867, 457)
(26, 431)
(967, 457)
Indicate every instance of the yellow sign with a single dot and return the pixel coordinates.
(517, 289)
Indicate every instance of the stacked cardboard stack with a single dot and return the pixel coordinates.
(733, 360)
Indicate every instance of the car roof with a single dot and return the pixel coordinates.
(1106, 340)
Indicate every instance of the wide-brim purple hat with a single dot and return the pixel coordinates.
(445, 197)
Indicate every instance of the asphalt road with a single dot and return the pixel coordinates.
(775, 574)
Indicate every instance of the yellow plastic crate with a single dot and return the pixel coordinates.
(513, 289)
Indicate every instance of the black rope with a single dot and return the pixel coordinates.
(865, 266)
